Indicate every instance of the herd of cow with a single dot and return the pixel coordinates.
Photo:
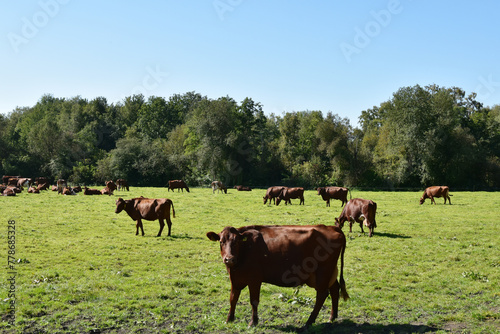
(286, 256)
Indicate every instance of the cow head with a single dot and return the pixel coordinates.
(321, 190)
(339, 223)
(231, 244)
(120, 205)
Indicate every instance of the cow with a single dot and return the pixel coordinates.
(23, 182)
(360, 210)
(41, 180)
(286, 256)
(12, 181)
(242, 188)
(9, 191)
(61, 184)
(68, 191)
(53, 188)
(177, 184)
(148, 209)
(122, 184)
(43, 186)
(436, 191)
(328, 193)
(287, 194)
(219, 186)
(88, 191)
(111, 185)
(6, 178)
(106, 191)
(77, 189)
(33, 190)
(272, 193)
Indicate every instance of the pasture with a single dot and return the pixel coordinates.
(81, 268)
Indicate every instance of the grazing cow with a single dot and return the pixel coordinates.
(328, 193)
(33, 190)
(177, 184)
(88, 191)
(436, 191)
(122, 184)
(9, 191)
(242, 188)
(286, 256)
(148, 209)
(287, 194)
(272, 193)
(61, 184)
(360, 210)
(219, 186)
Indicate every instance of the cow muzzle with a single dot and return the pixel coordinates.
(229, 261)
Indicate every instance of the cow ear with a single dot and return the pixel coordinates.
(213, 236)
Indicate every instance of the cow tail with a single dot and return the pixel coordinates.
(343, 289)
(173, 210)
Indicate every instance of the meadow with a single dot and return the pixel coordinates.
(80, 268)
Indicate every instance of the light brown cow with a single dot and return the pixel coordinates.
(148, 209)
(436, 191)
(33, 190)
(286, 256)
(360, 210)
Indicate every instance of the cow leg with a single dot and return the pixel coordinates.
(302, 201)
(334, 294)
(233, 299)
(169, 223)
(162, 225)
(320, 300)
(254, 300)
(137, 226)
(328, 202)
(432, 200)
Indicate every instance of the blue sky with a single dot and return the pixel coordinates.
(336, 56)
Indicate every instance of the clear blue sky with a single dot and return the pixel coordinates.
(294, 55)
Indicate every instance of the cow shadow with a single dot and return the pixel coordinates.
(348, 327)
(391, 235)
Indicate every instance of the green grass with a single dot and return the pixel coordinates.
(82, 269)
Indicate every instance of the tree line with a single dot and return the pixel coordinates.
(422, 136)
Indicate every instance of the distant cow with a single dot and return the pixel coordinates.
(122, 184)
(328, 193)
(43, 186)
(287, 194)
(5, 179)
(54, 188)
(436, 191)
(219, 186)
(61, 184)
(77, 189)
(68, 191)
(286, 256)
(360, 210)
(9, 191)
(12, 181)
(177, 184)
(41, 180)
(272, 193)
(24, 182)
(33, 190)
(111, 185)
(242, 188)
(88, 191)
(148, 209)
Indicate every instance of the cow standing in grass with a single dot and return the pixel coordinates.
(148, 209)
(436, 191)
(359, 210)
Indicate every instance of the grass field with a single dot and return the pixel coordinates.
(80, 267)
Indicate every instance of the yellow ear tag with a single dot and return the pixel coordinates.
(245, 238)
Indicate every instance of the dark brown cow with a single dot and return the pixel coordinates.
(436, 191)
(148, 209)
(111, 185)
(88, 191)
(41, 180)
(177, 184)
(287, 194)
(5, 178)
(219, 186)
(360, 210)
(272, 193)
(286, 256)
(242, 188)
(328, 193)
(77, 189)
(12, 181)
(122, 184)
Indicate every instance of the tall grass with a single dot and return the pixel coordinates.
(81, 268)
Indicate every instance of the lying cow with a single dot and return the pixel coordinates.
(177, 184)
(360, 210)
(436, 191)
(287, 194)
(43, 186)
(286, 256)
(88, 191)
(272, 193)
(68, 191)
(242, 188)
(23, 182)
(122, 184)
(148, 209)
(219, 186)
(328, 193)
(33, 190)
(9, 191)
(61, 184)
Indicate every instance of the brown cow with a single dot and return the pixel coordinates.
(272, 193)
(111, 185)
(23, 182)
(43, 186)
(290, 193)
(436, 191)
(286, 256)
(54, 188)
(219, 186)
(41, 180)
(88, 191)
(148, 209)
(177, 184)
(242, 188)
(6, 178)
(61, 184)
(122, 184)
(77, 189)
(33, 190)
(13, 181)
(360, 210)
(9, 191)
(68, 191)
(328, 193)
